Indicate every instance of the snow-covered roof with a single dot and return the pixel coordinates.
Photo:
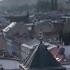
(9, 27)
(65, 16)
(50, 45)
(36, 43)
(31, 44)
(27, 46)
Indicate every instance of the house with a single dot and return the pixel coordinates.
(41, 59)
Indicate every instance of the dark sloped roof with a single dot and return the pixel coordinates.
(43, 59)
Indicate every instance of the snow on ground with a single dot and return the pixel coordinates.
(9, 64)
(67, 51)
(67, 67)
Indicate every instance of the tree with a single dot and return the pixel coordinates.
(54, 5)
(47, 5)
(43, 5)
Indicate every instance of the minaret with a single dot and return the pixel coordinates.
(2, 39)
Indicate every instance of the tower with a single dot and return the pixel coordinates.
(2, 40)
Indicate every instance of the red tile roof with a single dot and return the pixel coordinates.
(56, 55)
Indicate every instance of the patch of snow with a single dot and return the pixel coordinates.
(9, 64)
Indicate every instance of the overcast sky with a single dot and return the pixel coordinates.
(17, 2)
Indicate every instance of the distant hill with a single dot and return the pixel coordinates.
(16, 6)
(16, 9)
(17, 2)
